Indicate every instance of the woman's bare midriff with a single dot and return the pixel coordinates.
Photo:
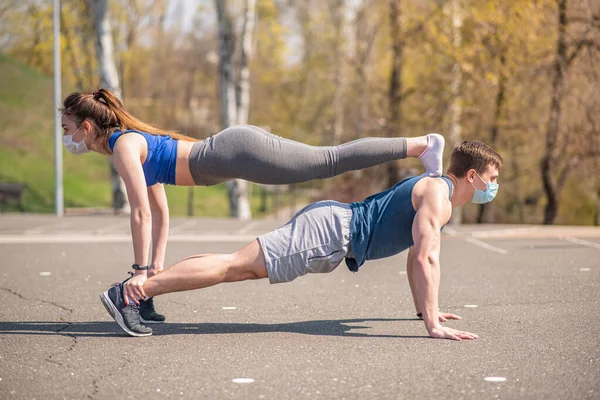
(183, 176)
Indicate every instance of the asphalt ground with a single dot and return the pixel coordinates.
(530, 292)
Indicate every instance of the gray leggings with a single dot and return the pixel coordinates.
(253, 154)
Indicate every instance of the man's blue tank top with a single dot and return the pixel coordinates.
(381, 226)
(159, 166)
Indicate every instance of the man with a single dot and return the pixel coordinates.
(410, 215)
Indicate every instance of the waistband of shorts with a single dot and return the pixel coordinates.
(347, 211)
(195, 163)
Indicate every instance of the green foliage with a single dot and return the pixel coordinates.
(27, 154)
(169, 78)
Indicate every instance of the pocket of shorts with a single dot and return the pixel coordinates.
(323, 264)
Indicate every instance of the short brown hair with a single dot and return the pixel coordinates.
(471, 154)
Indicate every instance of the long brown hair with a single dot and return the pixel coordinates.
(107, 112)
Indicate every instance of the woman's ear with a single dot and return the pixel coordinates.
(87, 126)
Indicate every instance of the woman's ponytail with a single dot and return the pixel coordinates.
(128, 121)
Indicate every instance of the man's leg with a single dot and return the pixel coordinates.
(202, 271)
(148, 313)
(191, 273)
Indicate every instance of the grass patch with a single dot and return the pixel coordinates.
(27, 154)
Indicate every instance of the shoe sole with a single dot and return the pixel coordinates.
(112, 310)
(151, 321)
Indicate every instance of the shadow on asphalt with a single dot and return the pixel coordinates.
(110, 329)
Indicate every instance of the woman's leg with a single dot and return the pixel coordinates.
(202, 271)
(251, 153)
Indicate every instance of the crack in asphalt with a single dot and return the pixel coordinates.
(67, 324)
(70, 348)
(59, 331)
(19, 295)
(96, 388)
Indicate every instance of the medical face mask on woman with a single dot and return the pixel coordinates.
(73, 146)
(484, 196)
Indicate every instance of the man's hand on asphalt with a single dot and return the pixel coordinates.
(444, 332)
(444, 317)
(133, 289)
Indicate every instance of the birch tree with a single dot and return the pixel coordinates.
(455, 87)
(235, 93)
(395, 88)
(109, 79)
(339, 21)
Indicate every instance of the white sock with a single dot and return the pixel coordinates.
(432, 156)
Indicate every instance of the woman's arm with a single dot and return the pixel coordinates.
(160, 227)
(127, 158)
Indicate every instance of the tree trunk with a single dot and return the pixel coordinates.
(337, 11)
(455, 87)
(226, 49)
(486, 213)
(243, 80)
(77, 71)
(517, 182)
(235, 96)
(109, 79)
(395, 90)
(548, 161)
(597, 213)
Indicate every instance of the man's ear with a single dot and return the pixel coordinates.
(471, 175)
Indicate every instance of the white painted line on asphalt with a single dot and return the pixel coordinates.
(485, 245)
(495, 378)
(111, 227)
(247, 228)
(470, 306)
(229, 308)
(40, 229)
(118, 238)
(584, 269)
(581, 242)
(242, 380)
(450, 231)
(501, 232)
(45, 273)
(187, 224)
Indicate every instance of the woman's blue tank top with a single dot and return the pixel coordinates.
(159, 166)
(381, 226)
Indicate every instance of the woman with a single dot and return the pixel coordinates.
(147, 157)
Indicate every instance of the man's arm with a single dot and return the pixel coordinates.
(410, 262)
(433, 212)
(160, 227)
(409, 273)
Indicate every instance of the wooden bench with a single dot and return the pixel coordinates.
(11, 192)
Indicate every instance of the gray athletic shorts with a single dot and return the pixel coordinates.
(315, 240)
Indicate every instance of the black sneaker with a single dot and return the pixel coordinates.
(128, 317)
(148, 314)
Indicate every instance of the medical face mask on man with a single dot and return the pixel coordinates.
(484, 196)
(73, 146)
